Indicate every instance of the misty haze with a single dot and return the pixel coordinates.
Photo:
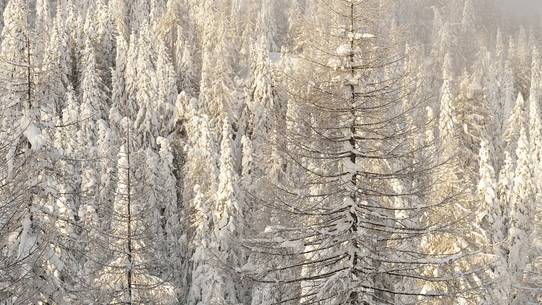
(522, 6)
(270, 152)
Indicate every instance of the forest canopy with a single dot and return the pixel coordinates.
(266, 152)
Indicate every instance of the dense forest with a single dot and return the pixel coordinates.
(269, 152)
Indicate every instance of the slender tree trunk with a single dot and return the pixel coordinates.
(29, 73)
(129, 273)
(353, 158)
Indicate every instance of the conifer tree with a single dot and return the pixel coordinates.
(229, 224)
(56, 64)
(517, 121)
(492, 219)
(146, 121)
(262, 106)
(201, 169)
(468, 29)
(279, 152)
(94, 98)
(166, 91)
(119, 94)
(27, 233)
(521, 200)
(447, 112)
(104, 43)
(267, 25)
(535, 123)
(185, 69)
(218, 90)
(131, 79)
(207, 285)
(43, 22)
(347, 190)
(127, 272)
(500, 87)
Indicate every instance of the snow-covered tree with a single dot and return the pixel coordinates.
(267, 25)
(94, 98)
(261, 107)
(56, 63)
(166, 91)
(218, 90)
(281, 151)
(492, 218)
(468, 29)
(107, 145)
(27, 167)
(119, 90)
(202, 177)
(230, 217)
(207, 285)
(168, 227)
(146, 121)
(535, 123)
(521, 221)
(344, 150)
(43, 21)
(447, 116)
(127, 272)
(518, 120)
(184, 63)
(104, 42)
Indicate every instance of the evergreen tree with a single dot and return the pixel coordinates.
(94, 98)
(56, 64)
(261, 107)
(229, 225)
(131, 80)
(207, 285)
(27, 186)
(469, 46)
(279, 152)
(343, 149)
(447, 114)
(104, 42)
(127, 272)
(146, 121)
(218, 92)
(267, 25)
(522, 198)
(43, 22)
(535, 123)
(173, 232)
(166, 91)
(119, 90)
(517, 121)
(202, 171)
(492, 217)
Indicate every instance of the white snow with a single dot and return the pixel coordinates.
(358, 36)
(276, 228)
(32, 133)
(275, 57)
(294, 244)
(28, 239)
(344, 50)
(334, 63)
(352, 79)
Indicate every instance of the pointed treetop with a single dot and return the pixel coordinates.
(468, 18)
(536, 73)
(522, 150)
(487, 188)
(447, 67)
